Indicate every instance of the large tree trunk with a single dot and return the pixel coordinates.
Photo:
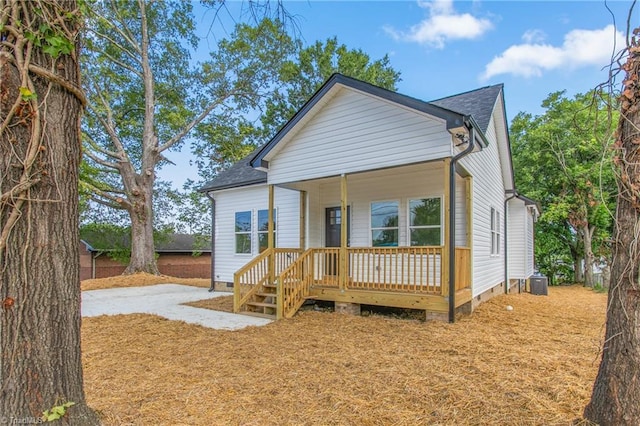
(588, 256)
(142, 246)
(578, 269)
(40, 357)
(616, 391)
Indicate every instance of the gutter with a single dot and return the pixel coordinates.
(212, 287)
(513, 195)
(452, 216)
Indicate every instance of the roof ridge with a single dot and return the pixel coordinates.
(500, 85)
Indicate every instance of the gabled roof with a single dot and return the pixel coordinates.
(476, 105)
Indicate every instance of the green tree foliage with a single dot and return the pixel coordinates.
(145, 97)
(563, 161)
(297, 75)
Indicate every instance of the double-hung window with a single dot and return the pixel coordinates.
(243, 232)
(263, 229)
(495, 231)
(425, 222)
(384, 224)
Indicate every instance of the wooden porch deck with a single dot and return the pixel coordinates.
(277, 282)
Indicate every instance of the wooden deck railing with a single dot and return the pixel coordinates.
(391, 269)
(395, 269)
(294, 284)
(251, 278)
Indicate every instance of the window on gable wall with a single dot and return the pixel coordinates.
(263, 229)
(495, 231)
(425, 222)
(384, 224)
(243, 232)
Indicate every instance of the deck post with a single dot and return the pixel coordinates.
(270, 235)
(303, 220)
(272, 254)
(342, 264)
(469, 204)
(444, 256)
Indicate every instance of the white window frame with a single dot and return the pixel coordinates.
(410, 227)
(371, 228)
(495, 229)
(275, 228)
(249, 233)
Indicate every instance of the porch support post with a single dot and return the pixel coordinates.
(469, 188)
(342, 268)
(444, 256)
(270, 235)
(303, 220)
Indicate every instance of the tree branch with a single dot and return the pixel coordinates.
(102, 162)
(192, 124)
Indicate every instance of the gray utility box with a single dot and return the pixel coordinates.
(538, 285)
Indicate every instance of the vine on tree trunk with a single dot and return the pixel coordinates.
(30, 29)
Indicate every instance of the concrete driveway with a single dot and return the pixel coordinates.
(164, 300)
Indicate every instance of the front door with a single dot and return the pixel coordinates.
(333, 224)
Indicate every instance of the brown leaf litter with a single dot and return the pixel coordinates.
(533, 365)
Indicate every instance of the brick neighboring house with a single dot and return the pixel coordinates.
(175, 258)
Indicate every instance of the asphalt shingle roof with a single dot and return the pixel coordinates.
(477, 103)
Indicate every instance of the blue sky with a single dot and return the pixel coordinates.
(447, 47)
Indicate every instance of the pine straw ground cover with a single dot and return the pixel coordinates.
(533, 365)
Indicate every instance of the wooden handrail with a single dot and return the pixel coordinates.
(251, 278)
(240, 296)
(294, 284)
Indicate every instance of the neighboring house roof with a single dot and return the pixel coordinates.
(176, 243)
(477, 104)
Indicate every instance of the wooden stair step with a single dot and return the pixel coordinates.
(270, 286)
(262, 304)
(267, 294)
(258, 314)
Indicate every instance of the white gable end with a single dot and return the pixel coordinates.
(354, 132)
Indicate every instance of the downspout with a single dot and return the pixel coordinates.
(513, 195)
(213, 243)
(452, 219)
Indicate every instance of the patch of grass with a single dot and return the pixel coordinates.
(599, 288)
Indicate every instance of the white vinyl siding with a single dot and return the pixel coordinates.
(253, 199)
(520, 238)
(399, 184)
(488, 191)
(529, 250)
(356, 132)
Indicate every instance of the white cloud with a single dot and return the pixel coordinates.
(442, 25)
(580, 48)
(534, 36)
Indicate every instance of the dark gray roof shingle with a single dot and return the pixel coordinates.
(477, 103)
(240, 174)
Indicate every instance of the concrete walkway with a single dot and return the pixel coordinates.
(164, 300)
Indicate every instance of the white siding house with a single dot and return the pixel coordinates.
(423, 187)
